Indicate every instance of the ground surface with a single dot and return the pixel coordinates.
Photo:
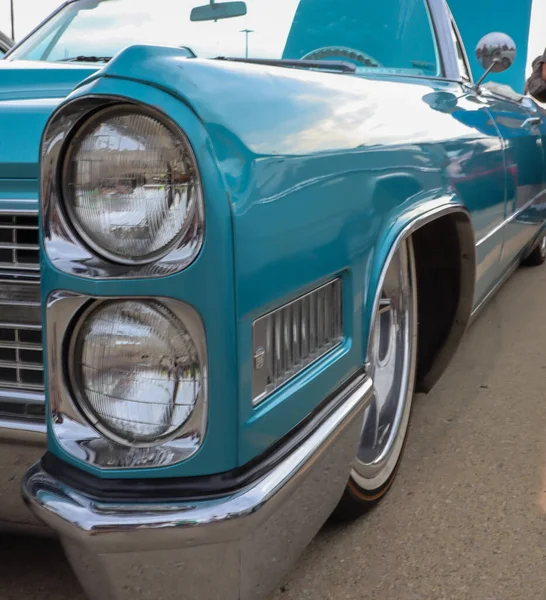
(466, 517)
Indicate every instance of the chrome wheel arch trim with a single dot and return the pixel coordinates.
(373, 475)
(467, 241)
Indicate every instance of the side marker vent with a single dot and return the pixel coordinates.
(289, 339)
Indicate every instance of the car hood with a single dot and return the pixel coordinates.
(29, 93)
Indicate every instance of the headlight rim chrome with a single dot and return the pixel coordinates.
(80, 404)
(72, 431)
(67, 210)
(63, 247)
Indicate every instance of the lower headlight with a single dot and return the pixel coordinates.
(135, 371)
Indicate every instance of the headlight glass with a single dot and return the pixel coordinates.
(131, 185)
(135, 371)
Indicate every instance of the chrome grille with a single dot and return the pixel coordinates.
(19, 247)
(21, 358)
(21, 355)
(289, 339)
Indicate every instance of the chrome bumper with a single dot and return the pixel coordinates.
(236, 547)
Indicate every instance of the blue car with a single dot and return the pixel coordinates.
(235, 238)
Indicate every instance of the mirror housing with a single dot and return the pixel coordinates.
(218, 10)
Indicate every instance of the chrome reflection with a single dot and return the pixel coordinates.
(62, 243)
(72, 428)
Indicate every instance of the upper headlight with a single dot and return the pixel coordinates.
(131, 185)
(136, 371)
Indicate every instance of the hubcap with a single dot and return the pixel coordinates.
(392, 364)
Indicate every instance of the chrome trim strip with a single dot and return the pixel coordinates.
(62, 244)
(21, 397)
(236, 547)
(19, 212)
(511, 218)
(510, 270)
(74, 431)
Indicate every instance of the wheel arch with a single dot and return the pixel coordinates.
(451, 274)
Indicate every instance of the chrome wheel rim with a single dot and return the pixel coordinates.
(392, 355)
(543, 247)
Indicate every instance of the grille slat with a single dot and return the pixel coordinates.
(19, 245)
(15, 246)
(21, 351)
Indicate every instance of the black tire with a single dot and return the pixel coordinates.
(371, 478)
(538, 254)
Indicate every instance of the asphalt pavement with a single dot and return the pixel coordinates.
(466, 516)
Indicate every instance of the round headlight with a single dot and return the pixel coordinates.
(131, 186)
(135, 370)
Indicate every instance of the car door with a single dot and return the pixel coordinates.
(520, 129)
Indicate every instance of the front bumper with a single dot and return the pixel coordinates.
(236, 547)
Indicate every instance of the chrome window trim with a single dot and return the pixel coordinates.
(63, 246)
(69, 426)
(455, 29)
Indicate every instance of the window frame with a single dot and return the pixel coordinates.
(459, 42)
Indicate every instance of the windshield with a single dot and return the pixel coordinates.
(374, 35)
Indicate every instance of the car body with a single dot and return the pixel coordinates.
(336, 228)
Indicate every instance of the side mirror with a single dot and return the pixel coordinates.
(496, 52)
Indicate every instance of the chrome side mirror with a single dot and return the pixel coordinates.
(496, 52)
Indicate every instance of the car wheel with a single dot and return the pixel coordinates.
(392, 354)
(538, 255)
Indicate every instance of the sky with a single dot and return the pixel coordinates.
(30, 12)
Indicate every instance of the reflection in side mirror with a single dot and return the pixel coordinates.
(496, 52)
(218, 10)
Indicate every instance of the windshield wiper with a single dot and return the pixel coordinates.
(103, 59)
(326, 65)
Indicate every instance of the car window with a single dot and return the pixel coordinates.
(391, 35)
(464, 71)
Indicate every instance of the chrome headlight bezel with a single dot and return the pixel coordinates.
(72, 428)
(82, 404)
(66, 246)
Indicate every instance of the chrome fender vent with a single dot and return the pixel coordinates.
(291, 338)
